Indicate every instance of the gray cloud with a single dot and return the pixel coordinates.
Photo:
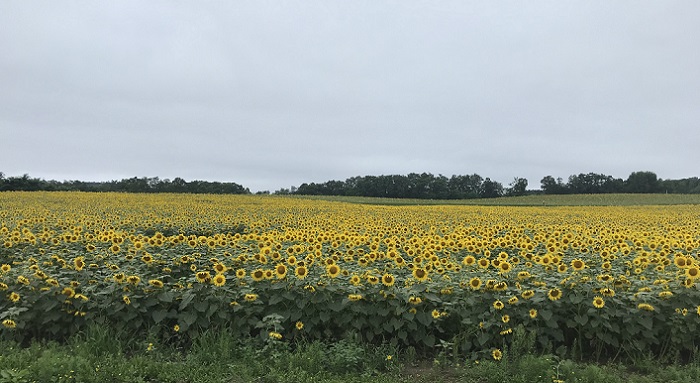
(273, 94)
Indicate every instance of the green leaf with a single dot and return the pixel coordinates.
(186, 299)
(647, 322)
(545, 314)
(581, 319)
(324, 316)
(166, 296)
(159, 315)
(188, 317)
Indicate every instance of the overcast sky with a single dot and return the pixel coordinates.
(270, 94)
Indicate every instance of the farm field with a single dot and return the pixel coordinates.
(598, 281)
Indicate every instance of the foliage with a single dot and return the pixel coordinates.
(459, 281)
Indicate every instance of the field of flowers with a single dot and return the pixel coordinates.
(597, 280)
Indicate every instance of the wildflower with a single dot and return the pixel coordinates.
(498, 305)
(497, 354)
(219, 280)
(301, 272)
(645, 306)
(598, 302)
(475, 283)
(554, 294)
(388, 280)
(420, 274)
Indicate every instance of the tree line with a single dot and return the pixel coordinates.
(429, 186)
(128, 185)
(413, 185)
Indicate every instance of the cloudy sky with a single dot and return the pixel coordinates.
(270, 94)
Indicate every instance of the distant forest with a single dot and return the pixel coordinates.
(413, 185)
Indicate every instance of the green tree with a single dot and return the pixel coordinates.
(517, 187)
(642, 182)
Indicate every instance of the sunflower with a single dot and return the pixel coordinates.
(299, 325)
(505, 318)
(497, 354)
(372, 279)
(527, 294)
(505, 267)
(115, 248)
(133, 279)
(533, 313)
(258, 275)
(333, 270)
(23, 280)
(68, 292)
(513, 300)
(5, 268)
(665, 294)
(156, 283)
(554, 294)
(645, 307)
(435, 314)
(354, 297)
(250, 297)
(126, 299)
(607, 292)
(420, 274)
(414, 300)
(355, 280)
(301, 272)
(79, 263)
(692, 272)
(484, 263)
(388, 280)
(203, 276)
(475, 283)
(598, 302)
(240, 273)
(218, 280)
(498, 305)
(578, 264)
(9, 323)
(14, 297)
(468, 260)
(281, 271)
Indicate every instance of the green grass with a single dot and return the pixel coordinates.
(99, 356)
(532, 200)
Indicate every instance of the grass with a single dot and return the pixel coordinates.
(100, 356)
(532, 200)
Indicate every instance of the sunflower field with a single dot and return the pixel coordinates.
(600, 281)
